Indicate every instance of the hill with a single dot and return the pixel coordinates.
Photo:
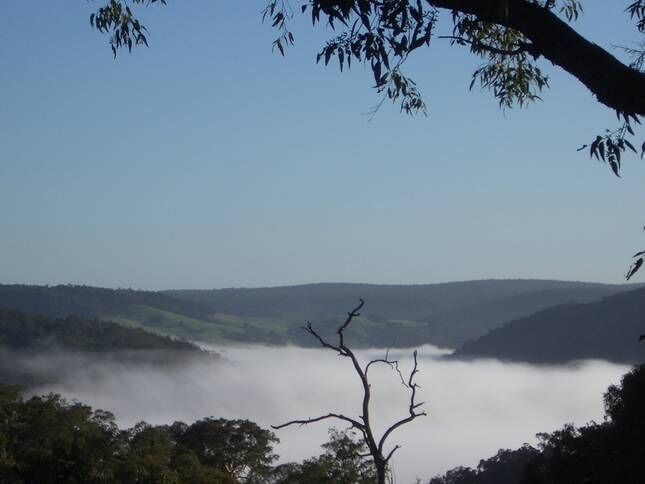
(446, 314)
(413, 302)
(153, 311)
(24, 332)
(607, 329)
(87, 301)
(36, 349)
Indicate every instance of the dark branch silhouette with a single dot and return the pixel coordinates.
(375, 445)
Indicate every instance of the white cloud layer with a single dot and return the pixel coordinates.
(474, 408)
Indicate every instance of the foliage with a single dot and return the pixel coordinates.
(383, 35)
(238, 449)
(49, 440)
(125, 29)
(612, 451)
(624, 403)
(507, 466)
(343, 462)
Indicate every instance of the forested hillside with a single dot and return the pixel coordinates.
(38, 350)
(88, 301)
(608, 329)
(410, 302)
(395, 315)
(446, 314)
(21, 331)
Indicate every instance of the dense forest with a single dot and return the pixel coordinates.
(608, 329)
(46, 439)
(609, 452)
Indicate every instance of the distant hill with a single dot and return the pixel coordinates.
(154, 311)
(25, 332)
(446, 314)
(36, 349)
(413, 302)
(478, 319)
(607, 329)
(87, 301)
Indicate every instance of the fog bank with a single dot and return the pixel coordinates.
(474, 407)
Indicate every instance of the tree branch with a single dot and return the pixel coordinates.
(309, 329)
(354, 313)
(338, 416)
(479, 45)
(411, 408)
(614, 84)
(391, 453)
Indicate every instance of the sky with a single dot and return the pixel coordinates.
(207, 161)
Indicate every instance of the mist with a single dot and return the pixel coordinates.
(474, 408)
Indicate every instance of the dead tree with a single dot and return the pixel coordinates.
(363, 424)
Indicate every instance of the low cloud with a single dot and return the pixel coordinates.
(474, 407)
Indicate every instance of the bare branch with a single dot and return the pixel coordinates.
(411, 408)
(396, 447)
(375, 450)
(391, 363)
(398, 372)
(309, 329)
(354, 313)
(338, 416)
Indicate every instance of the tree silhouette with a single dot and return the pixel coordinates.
(374, 444)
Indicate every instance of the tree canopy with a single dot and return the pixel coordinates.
(610, 451)
(49, 440)
(511, 36)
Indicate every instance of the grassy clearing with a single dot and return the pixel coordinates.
(223, 328)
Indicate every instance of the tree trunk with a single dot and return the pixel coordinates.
(613, 83)
(380, 470)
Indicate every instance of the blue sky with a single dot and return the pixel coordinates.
(207, 161)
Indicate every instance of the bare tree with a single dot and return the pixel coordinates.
(364, 424)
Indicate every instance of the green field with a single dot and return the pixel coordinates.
(220, 329)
